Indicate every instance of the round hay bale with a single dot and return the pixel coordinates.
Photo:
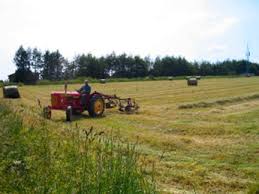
(11, 92)
(102, 81)
(198, 77)
(170, 78)
(192, 82)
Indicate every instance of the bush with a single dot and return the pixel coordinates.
(151, 77)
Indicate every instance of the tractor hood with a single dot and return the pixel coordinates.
(73, 93)
(60, 100)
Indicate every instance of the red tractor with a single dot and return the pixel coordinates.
(95, 104)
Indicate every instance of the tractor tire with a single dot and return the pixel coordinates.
(128, 109)
(96, 106)
(69, 113)
(47, 112)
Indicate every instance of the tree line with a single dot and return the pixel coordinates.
(33, 64)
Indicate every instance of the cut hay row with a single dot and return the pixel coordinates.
(219, 102)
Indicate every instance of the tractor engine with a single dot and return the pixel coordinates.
(61, 100)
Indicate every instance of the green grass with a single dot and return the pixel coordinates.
(210, 149)
(34, 160)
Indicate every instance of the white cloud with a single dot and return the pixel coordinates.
(220, 26)
(217, 48)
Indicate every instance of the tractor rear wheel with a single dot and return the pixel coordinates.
(96, 106)
(69, 113)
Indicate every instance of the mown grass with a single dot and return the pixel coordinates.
(204, 149)
(219, 102)
(34, 160)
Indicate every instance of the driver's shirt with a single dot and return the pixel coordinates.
(86, 89)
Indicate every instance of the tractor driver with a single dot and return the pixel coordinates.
(84, 91)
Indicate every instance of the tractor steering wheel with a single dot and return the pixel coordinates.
(78, 91)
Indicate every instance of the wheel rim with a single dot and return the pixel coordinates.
(98, 106)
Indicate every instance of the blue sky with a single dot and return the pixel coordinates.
(212, 30)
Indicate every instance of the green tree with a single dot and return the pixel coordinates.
(90, 66)
(139, 67)
(53, 63)
(69, 69)
(22, 59)
(36, 60)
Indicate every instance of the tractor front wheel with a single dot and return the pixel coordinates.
(69, 113)
(47, 112)
(96, 106)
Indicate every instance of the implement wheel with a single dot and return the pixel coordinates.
(96, 107)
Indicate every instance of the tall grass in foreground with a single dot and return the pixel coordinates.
(34, 160)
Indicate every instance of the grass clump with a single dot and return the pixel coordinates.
(34, 160)
(254, 189)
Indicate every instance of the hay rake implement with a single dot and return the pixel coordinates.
(127, 105)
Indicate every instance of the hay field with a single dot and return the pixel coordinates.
(197, 148)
